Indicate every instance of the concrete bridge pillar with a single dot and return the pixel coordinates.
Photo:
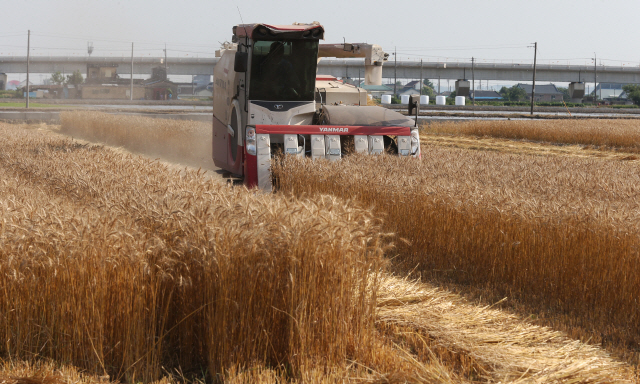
(462, 87)
(576, 92)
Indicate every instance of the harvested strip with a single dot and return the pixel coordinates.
(507, 348)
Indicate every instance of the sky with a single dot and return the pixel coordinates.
(567, 31)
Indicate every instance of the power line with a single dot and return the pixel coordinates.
(75, 37)
(465, 46)
(458, 49)
(13, 35)
(48, 48)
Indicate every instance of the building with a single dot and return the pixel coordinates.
(377, 90)
(159, 87)
(411, 88)
(103, 82)
(193, 90)
(23, 84)
(606, 91)
(112, 91)
(481, 95)
(101, 73)
(47, 91)
(202, 80)
(13, 85)
(201, 86)
(186, 89)
(544, 92)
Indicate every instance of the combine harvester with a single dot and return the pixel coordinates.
(267, 98)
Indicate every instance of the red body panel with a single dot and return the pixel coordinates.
(222, 149)
(243, 30)
(250, 170)
(327, 78)
(220, 152)
(236, 167)
(334, 130)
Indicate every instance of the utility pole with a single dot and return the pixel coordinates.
(473, 80)
(533, 88)
(131, 90)
(395, 72)
(601, 90)
(165, 59)
(421, 80)
(595, 78)
(28, 51)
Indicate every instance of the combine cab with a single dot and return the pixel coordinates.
(268, 98)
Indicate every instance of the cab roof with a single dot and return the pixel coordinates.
(275, 32)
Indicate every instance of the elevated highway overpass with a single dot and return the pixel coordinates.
(353, 68)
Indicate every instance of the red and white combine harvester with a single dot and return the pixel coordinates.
(268, 98)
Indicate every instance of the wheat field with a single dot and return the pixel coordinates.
(118, 265)
(559, 233)
(616, 134)
(118, 268)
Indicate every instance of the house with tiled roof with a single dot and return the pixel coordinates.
(544, 92)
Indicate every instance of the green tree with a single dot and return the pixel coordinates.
(453, 94)
(633, 92)
(513, 93)
(565, 93)
(428, 91)
(75, 78)
(57, 78)
(428, 83)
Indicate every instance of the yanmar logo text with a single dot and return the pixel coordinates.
(334, 129)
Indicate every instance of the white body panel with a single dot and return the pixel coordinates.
(300, 115)
(376, 145)
(291, 146)
(415, 143)
(317, 147)
(361, 143)
(404, 145)
(263, 149)
(332, 147)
